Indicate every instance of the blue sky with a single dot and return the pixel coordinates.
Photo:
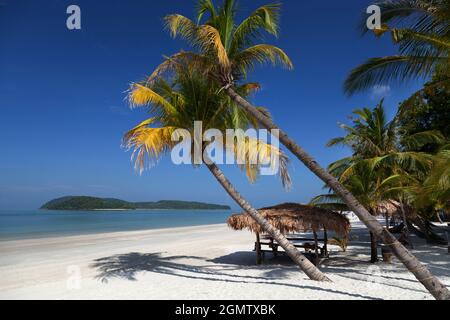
(63, 111)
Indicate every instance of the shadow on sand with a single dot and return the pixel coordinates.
(127, 266)
(352, 265)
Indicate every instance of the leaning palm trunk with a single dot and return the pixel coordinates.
(438, 216)
(373, 248)
(405, 222)
(431, 283)
(310, 269)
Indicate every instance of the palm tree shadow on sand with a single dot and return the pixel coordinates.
(127, 266)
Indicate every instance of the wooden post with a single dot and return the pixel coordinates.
(258, 249)
(405, 222)
(274, 247)
(448, 240)
(325, 241)
(317, 248)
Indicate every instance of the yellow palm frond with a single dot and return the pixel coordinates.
(178, 24)
(347, 173)
(141, 125)
(181, 60)
(209, 40)
(144, 96)
(148, 144)
(251, 154)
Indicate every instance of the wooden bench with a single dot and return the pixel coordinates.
(320, 251)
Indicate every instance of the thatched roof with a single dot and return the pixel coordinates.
(294, 217)
(392, 208)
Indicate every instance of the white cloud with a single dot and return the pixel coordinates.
(379, 91)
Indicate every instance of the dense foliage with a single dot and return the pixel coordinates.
(92, 203)
(428, 109)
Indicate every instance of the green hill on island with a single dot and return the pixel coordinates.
(92, 203)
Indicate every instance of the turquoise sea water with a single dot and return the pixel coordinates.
(42, 223)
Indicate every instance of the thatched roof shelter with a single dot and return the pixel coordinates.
(392, 208)
(294, 217)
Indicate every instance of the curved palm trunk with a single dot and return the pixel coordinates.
(310, 269)
(373, 248)
(431, 283)
(405, 221)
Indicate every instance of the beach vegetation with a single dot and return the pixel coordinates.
(228, 50)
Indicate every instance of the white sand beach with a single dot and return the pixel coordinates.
(205, 262)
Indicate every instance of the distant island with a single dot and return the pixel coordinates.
(92, 203)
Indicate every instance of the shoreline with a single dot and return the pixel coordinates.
(110, 234)
(138, 209)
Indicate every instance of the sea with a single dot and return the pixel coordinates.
(30, 224)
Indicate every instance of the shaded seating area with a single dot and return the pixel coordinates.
(292, 219)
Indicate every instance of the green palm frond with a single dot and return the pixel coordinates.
(329, 201)
(409, 161)
(205, 7)
(412, 39)
(376, 71)
(437, 185)
(422, 31)
(261, 54)
(337, 141)
(326, 198)
(421, 15)
(420, 139)
(264, 18)
(338, 167)
(413, 43)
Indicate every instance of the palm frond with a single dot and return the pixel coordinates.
(329, 201)
(204, 7)
(421, 44)
(337, 141)
(210, 41)
(420, 139)
(148, 144)
(422, 16)
(409, 161)
(180, 61)
(376, 71)
(264, 18)
(251, 153)
(261, 54)
(248, 88)
(141, 95)
(179, 25)
(437, 185)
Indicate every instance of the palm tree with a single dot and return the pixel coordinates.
(424, 45)
(371, 189)
(434, 189)
(190, 97)
(382, 168)
(226, 51)
(373, 138)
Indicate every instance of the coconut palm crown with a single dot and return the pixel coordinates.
(175, 103)
(421, 30)
(223, 48)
